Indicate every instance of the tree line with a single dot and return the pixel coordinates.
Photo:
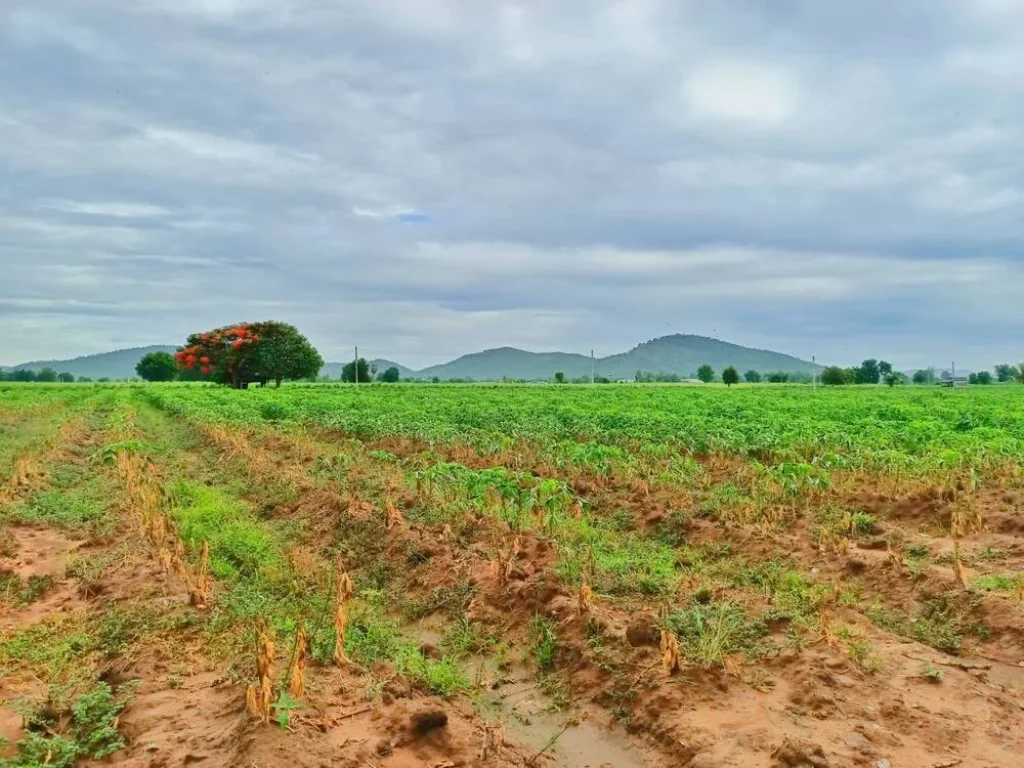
(730, 375)
(876, 372)
(45, 375)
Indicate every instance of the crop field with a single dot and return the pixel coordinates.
(441, 576)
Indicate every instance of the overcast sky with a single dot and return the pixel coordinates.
(428, 178)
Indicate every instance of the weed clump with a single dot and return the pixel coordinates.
(57, 736)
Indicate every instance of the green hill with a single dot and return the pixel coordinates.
(509, 363)
(683, 355)
(678, 354)
(119, 364)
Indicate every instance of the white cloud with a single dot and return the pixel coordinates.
(749, 93)
(113, 209)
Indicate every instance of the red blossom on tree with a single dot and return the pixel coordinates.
(249, 352)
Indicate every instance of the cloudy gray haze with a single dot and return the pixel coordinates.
(431, 177)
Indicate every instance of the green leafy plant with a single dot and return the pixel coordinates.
(284, 706)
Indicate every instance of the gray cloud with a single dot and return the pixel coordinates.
(429, 177)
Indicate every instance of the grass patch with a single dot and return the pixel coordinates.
(619, 563)
(1007, 584)
(55, 650)
(793, 595)
(81, 508)
(371, 638)
(241, 545)
(543, 642)
(936, 624)
(708, 633)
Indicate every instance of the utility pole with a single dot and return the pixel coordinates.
(355, 365)
(593, 366)
(814, 373)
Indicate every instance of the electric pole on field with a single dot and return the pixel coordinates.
(355, 365)
(814, 373)
(593, 366)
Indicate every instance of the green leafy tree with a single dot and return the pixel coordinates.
(778, 377)
(560, 377)
(1005, 372)
(390, 376)
(972, 378)
(84, 380)
(47, 375)
(834, 376)
(884, 368)
(984, 377)
(706, 373)
(23, 375)
(157, 366)
(752, 377)
(730, 376)
(245, 353)
(348, 373)
(1019, 375)
(66, 378)
(284, 353)
(922, 377)
(868, 372)
(892, 379)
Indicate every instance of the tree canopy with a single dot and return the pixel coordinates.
(730, 376)
(157, 366)
(391, 375)
(706, 373)
(752, 377)
(869, 372)
(1005, 372)
(834, 376)
(348, 373)
(246, 353)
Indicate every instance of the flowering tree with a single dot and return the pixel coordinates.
(244, 353)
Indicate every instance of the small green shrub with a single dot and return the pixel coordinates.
(91, 733)
(543, 642)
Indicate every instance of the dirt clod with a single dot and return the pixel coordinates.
(643, 631)
(796, 753)
(427, 720)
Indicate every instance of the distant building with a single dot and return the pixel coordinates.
(953, 381)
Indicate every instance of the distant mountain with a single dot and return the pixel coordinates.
(683, 355)
(678, 354)
(119, 364)
(509, 363)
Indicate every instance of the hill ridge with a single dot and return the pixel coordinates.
(677, 354)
